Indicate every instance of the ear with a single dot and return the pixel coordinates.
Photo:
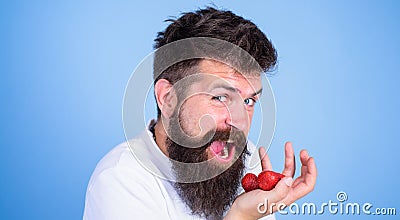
(165, 97)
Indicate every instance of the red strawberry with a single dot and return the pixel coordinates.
(267, 180)
(249, 182)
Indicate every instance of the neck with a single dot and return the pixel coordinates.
(160, 136)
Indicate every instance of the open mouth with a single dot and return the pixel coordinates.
(223, 150)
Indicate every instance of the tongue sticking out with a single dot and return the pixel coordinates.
(217, 146)
(221, 151)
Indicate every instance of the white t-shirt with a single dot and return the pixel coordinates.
(124, 185)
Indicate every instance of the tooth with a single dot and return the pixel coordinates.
(225, 153)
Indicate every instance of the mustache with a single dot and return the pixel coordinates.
(232, 135)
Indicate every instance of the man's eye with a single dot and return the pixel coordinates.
(250, 102)
(220, 98)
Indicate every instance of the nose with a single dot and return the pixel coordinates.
(236, 116)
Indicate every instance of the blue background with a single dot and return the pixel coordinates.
(64, 66)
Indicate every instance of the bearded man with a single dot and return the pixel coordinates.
(188, 163)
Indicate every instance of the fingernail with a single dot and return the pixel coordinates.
(289, 181)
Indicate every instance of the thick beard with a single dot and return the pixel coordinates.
(210, 198)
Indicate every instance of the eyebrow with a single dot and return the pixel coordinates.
(258, 92)
(233, 89)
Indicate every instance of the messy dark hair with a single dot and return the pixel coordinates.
(212, 23)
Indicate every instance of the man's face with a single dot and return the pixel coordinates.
(217, 99)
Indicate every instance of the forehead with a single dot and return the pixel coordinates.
(218, 73)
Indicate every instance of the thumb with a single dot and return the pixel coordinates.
(281, 189)
(273, 199)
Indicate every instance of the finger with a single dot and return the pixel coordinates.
(306, 182)
(265, 161)
(290, 165)
(310, 176)
(304, 157)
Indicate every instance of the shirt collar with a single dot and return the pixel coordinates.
(149, 155)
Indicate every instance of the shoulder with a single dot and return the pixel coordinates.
(121, 166)
(120, 186)
(118, 163)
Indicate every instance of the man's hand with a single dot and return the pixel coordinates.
(250, 205)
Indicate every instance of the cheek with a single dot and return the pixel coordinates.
(195, 117)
